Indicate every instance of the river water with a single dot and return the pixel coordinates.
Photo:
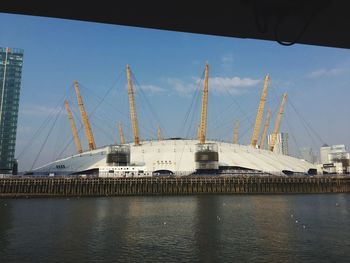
(206, 228)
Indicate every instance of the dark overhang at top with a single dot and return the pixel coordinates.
(315, 22)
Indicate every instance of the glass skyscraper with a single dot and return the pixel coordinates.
(281, 143)
(11, 61)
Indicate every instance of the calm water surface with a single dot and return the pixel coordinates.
(217, 228)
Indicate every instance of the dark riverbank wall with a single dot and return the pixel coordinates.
(46, 187)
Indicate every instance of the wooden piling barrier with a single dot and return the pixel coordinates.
(94, 186)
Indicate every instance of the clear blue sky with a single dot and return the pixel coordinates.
(167, 66)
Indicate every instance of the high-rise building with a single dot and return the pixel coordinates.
(281, 144)
(307, 154)
(334, 153)
(11, 61)
(335, 158)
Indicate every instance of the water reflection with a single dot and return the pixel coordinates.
(206, 228)
(272, 221)
(6, 218)
(108, 228)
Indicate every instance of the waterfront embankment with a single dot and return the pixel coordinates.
(66, 186)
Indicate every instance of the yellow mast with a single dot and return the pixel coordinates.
(235, 133)
(203, 123)
(122, 141)
(259, 115)
(74, 129)
(277, 124)
(133, 117)
(87, 128)
(158, 133)
(263, 136)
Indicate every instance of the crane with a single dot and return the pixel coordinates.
(203, 123)
(74, 129)
(277, 124)
(133, 117)
(122, 141)
(259, 115)
(263, 136)
(235, 133)
(86, 123)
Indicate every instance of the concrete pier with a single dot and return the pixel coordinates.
(46, 187)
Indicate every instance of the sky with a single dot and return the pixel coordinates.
(167, 70)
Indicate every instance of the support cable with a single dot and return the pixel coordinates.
(44, 123)
(193, 106)
(306, 122)
(49, 133)
(152, 111)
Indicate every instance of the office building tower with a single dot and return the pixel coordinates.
(335, 159)
(11, 61)
(334, 153)
(281, 144)
(307, 154)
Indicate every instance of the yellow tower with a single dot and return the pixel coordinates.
(121, 134)
(73, 127)
(158, 133)
(260, 113)
(86, 123)
(277, 124)
(264, 134)
(133, 117)
(235, 133)
(203, 123)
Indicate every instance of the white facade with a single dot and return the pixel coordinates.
(178, 156)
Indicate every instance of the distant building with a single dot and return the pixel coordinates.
(11, 61)
(307, 154)
(333, 153)
(324, 150)
(281, 144)
(335, 158)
